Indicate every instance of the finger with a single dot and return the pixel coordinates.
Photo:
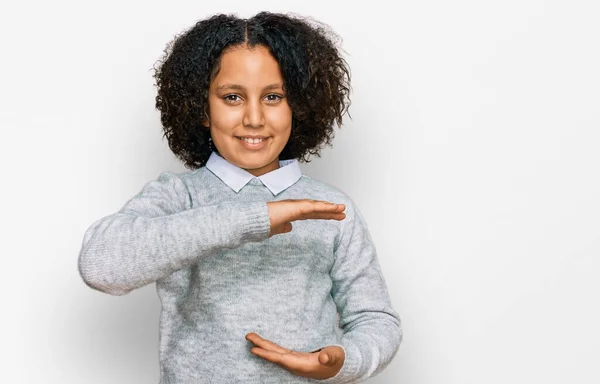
(265, 344)
(310, 206)
(324, 216)
(325, 201)
(282, 228)
(324, 358)
(327, 206)
(273, 357)
(331, 215)
(328, 359)
(288, 361)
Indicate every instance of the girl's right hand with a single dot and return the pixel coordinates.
(283, 212)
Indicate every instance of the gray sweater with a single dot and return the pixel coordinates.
(219, 276)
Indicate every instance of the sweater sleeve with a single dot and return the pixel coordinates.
(157, 232)
(371, 329)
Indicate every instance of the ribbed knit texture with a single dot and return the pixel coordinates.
(219, 276)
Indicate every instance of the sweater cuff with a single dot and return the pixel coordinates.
(352, 361)
(256, 215)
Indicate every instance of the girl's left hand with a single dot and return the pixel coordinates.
(322, 364)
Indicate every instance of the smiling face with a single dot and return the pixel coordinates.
(250, 118)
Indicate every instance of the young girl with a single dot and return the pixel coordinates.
(247, 296)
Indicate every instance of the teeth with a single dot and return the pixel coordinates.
(251, 141)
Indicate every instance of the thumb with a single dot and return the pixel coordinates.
(281, 228)
(327, 358)
(287, 227)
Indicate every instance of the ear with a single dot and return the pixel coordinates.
(206, 119)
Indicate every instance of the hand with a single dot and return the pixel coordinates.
(319, 365)
(283, 212)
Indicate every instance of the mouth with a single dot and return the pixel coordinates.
(252, 140)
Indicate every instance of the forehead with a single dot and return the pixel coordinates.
(251, 67)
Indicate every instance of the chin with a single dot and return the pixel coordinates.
(252, 165)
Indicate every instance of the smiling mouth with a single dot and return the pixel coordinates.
(251, 141)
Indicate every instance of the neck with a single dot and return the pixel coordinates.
(265, 169)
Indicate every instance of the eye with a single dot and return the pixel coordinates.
(273, 98)
(231, 99)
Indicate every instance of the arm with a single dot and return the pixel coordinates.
(157, 233)
(372, 330)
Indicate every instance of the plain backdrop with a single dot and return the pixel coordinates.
(473, 152)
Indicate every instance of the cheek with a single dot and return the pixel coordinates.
(225, 118)
(281, 119)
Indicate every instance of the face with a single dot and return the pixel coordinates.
(250, 118)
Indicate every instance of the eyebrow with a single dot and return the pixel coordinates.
(241, 87)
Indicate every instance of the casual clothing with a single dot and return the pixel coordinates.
(202, 237)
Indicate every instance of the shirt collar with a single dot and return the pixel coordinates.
(236, 178)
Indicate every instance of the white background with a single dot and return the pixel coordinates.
(473, 152)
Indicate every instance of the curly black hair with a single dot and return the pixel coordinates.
(316, 80)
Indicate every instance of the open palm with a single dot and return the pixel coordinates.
(321, 364)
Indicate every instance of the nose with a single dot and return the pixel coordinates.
(253, 115)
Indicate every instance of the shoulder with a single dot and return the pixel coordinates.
(168, 186)
(172, 185)
(187, 178)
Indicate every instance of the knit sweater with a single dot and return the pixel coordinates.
(219, 276)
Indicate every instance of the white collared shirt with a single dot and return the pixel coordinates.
(236, 178)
